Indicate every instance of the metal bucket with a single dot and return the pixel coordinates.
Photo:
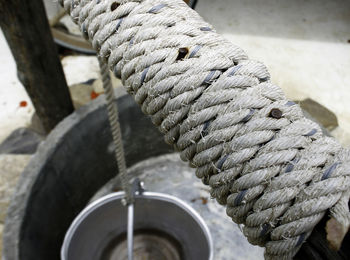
(165, 227)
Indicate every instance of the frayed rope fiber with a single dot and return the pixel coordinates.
(270, 166)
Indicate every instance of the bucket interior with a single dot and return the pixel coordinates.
(165, 228)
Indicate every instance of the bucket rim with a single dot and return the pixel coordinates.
(146, 194)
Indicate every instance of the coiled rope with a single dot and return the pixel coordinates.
(272, 168)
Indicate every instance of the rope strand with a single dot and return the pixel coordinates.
(116, 131)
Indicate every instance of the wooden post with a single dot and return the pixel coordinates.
(39, 69)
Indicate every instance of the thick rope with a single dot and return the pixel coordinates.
(272, 168)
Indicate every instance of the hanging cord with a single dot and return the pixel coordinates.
(116, 131)
(119, 152)
(270, 166)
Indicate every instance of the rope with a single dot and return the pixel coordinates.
(116, 132)
(272, 168)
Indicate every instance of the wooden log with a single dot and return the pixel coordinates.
(27, 32)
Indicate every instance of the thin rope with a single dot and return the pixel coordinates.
(272, 168)
(116, 131)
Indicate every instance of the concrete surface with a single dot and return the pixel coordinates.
(21, 141)
(11, 166)
(12, 93)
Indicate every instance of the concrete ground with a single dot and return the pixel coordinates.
(304, 43)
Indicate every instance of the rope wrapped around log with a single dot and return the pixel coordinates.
(272, 168)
